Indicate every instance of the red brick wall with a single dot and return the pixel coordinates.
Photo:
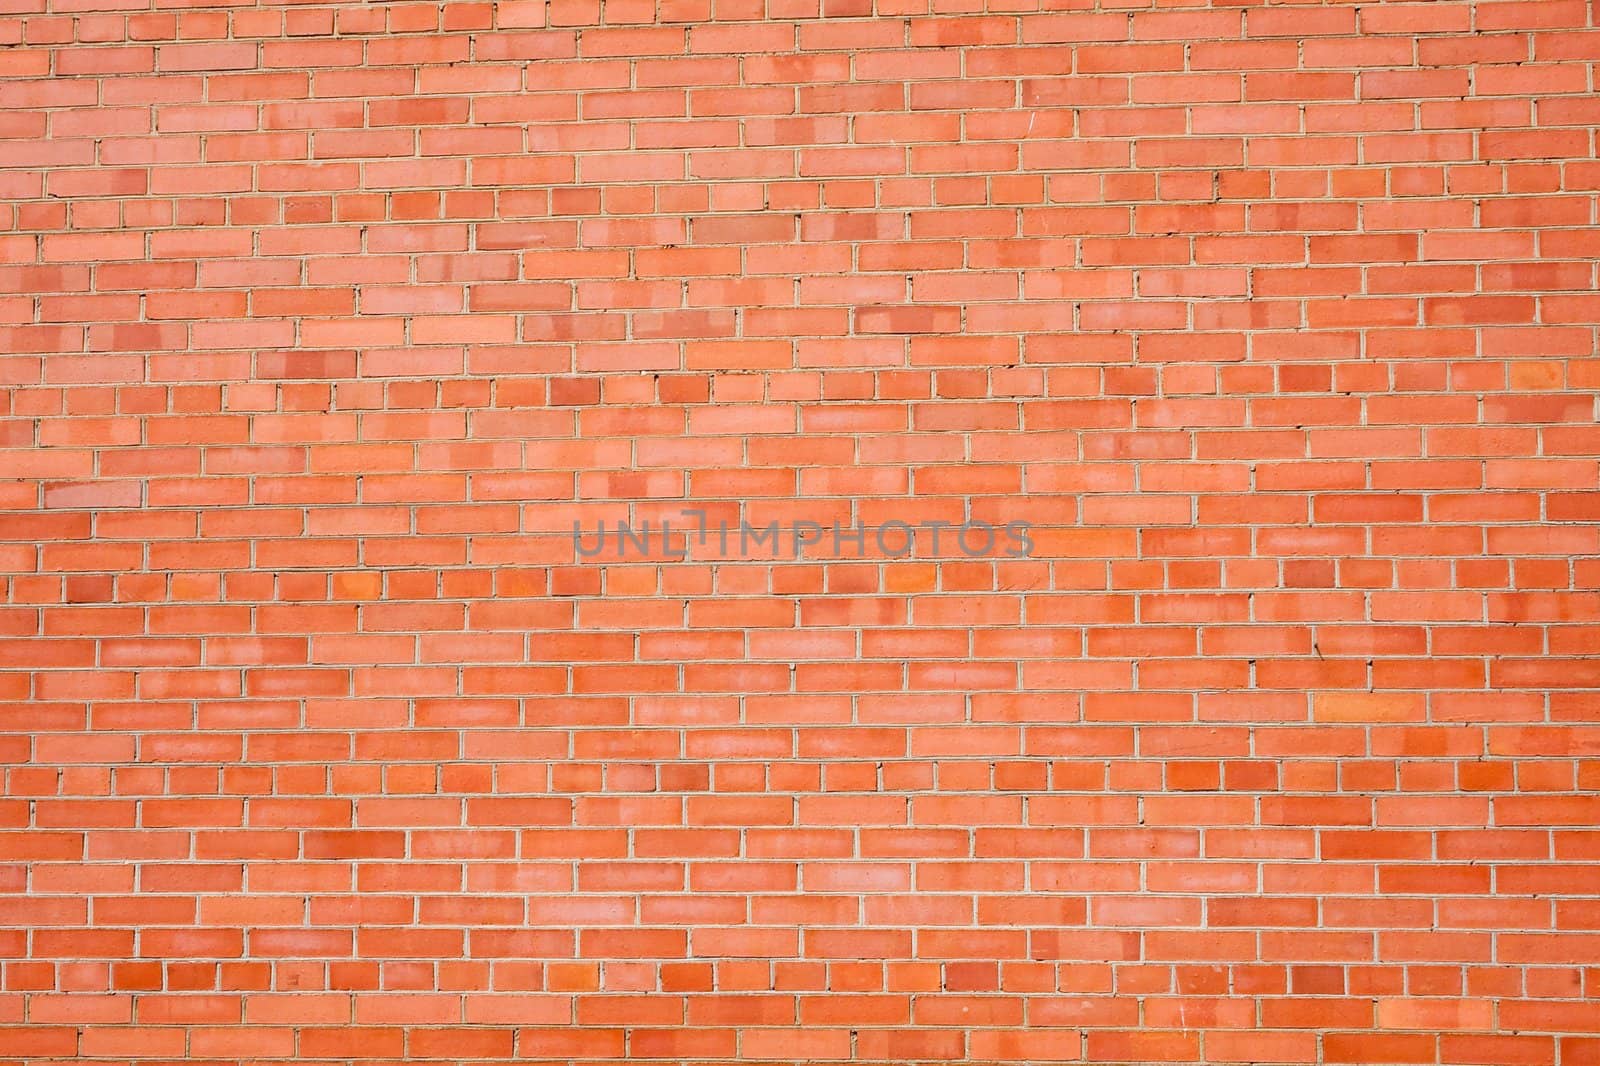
(323, 324)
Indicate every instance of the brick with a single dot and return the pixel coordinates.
(323, 326)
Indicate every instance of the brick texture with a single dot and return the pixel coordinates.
(322, 324)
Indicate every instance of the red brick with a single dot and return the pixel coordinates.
(324, 325)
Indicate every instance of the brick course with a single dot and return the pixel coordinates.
(322, 324)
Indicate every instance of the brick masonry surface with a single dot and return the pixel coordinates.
(1267, 732)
